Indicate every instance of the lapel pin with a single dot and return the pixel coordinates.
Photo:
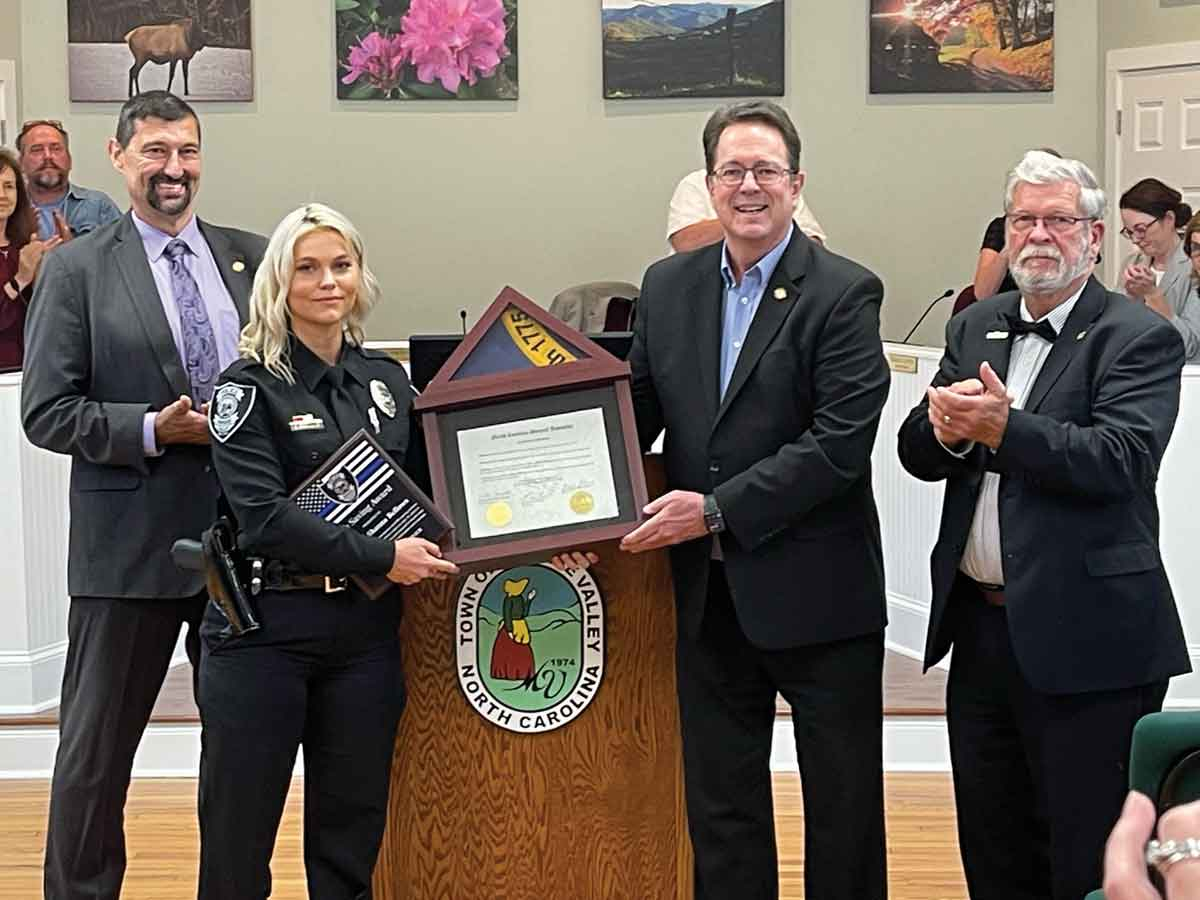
(997, 335)
(238, 266)
(1079, 337)
(780, 294)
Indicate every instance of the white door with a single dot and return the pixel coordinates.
(8, 103)
(1153, 130)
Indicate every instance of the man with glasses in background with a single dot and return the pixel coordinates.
(1048, 419)
(63, 208)
(760, 356)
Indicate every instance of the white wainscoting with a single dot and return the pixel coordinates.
(33, 565)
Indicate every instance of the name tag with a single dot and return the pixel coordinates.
(306, 422)
(997, 335)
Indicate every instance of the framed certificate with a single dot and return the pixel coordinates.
(531, 438)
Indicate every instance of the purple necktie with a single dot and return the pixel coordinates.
(199, 342)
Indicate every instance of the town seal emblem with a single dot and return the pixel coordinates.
(530, 645)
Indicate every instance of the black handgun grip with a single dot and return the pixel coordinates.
(225, 587)
(188, 554)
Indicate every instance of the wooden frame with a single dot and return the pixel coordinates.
(447, 395)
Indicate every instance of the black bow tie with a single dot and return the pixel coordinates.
(1018, 326)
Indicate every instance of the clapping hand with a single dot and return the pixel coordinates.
(1139, 280)
(30, 259)
(971, 410)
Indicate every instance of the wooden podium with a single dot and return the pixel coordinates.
(591, 811)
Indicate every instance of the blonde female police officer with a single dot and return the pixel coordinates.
(323, 671)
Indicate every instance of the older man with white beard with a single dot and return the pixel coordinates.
(1048, 419)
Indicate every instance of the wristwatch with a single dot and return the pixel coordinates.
(713, 520)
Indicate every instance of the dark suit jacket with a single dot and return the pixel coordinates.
(787, 453)
(1089, 606)
(99, 356)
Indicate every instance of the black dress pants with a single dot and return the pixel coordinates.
(1039, 779)
(727, 690)
(323, 673)
(118, 651)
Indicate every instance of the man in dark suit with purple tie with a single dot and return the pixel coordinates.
(128, 330)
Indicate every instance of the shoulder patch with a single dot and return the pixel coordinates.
(230, 407)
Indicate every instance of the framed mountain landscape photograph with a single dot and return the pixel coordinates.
(657, 49)
(426, 49)
(961, 46)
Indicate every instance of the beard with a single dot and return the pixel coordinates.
(49, 177)
(1032, 281)
(175, 205)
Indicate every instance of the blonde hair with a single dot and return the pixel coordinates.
(265, 338)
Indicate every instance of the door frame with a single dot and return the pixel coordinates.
(10, 123)
(1117, 63)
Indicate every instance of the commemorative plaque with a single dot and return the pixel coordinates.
(361, 487)
(531, 438)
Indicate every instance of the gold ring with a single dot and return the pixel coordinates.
(946, 419)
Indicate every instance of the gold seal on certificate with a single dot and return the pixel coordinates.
(498, 514)
(537, 473)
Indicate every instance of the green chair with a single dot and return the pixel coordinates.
(1164, 761)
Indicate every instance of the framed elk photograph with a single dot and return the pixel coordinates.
(197, 49)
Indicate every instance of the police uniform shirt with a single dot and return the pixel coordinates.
(269, 436)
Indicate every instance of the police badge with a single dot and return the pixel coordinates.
(230, 407)
(383, 398)
(340, 486)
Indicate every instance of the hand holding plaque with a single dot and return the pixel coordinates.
(363, 488)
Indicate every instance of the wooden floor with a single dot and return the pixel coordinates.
(906, 692)
(162, 841)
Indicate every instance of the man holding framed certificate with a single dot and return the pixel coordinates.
(761, 358)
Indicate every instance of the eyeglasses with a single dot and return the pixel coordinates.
(1193, 249)
(1023, 222)
(764, 175)
(1137, 232)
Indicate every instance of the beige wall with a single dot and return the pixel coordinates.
(457, 200)
(1140, 23)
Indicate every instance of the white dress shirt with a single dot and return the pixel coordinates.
(982, 559)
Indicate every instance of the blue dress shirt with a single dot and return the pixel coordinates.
(84, 209)
(740, 303)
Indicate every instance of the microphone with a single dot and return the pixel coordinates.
(463, 315)
(948, 293)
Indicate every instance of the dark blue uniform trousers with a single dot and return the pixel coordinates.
(323, 673)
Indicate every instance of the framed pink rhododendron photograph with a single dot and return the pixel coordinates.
(426, 49)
